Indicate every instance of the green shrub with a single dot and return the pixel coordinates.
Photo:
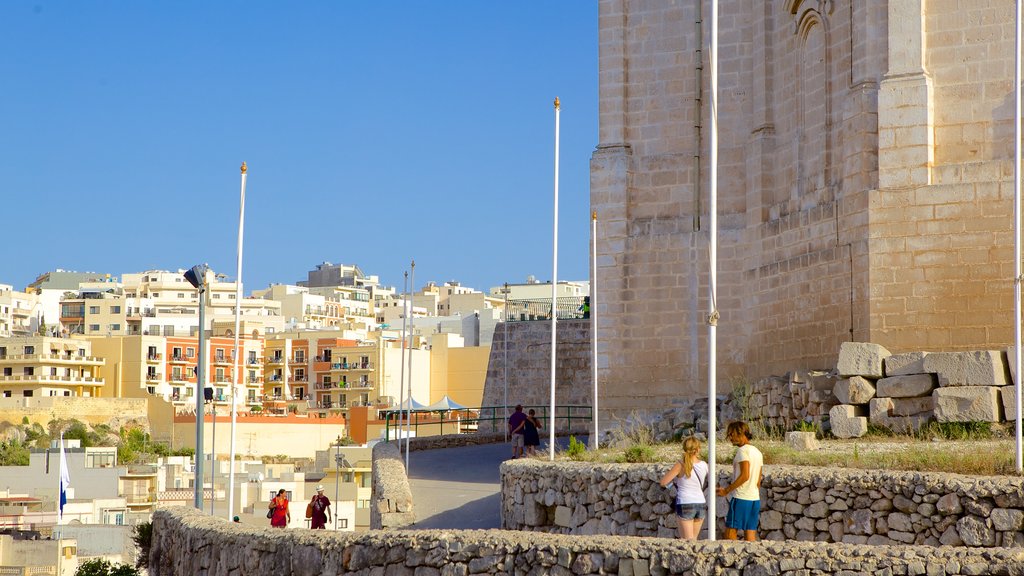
(101, 567)
(639, 453)
(577, 450)
(143, 538)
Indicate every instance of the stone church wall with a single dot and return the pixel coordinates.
(864, 186)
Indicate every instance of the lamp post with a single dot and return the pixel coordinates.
(504, 362)
(198, 277)
(337, 478)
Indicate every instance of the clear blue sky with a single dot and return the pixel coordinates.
(375, 132)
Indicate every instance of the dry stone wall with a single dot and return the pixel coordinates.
(798, 503)
(187, 542)
(391, 497)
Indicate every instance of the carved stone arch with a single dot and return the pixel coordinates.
(815, 98)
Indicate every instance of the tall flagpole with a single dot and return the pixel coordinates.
(713, 277)
(401, 367)
(554, 299)
(239, 365)
(595, 441)
(1017, 233)
(412, 340)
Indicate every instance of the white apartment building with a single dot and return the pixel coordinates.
(20, 312)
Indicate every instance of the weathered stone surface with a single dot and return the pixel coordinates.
(980, 368)
(861, 359)
(854, 390)
(880, 410)
(1008, 397)
(845, 421)
(905, 386)
(1007, 520)
(802, 441)
(904, 364)
(923, 405)
(967, 404)
(975, 531)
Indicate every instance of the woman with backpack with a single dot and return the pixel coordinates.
(690, 476)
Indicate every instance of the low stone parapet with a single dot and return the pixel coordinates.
(187, 542)
(798, 503)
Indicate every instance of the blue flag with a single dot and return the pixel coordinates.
(65, 480)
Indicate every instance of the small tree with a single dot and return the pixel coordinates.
(101, 567)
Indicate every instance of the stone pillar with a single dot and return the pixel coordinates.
(905, 113)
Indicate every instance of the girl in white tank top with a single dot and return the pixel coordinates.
(690, 478)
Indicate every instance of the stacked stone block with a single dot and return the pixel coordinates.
(902, 392)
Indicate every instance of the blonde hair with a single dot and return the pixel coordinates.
(691, 454)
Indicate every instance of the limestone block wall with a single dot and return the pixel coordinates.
(529, 365)
(188, 542)
(798, 503)
(113, 411)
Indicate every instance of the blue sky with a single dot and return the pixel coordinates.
(374, 132)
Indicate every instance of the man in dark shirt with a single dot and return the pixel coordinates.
(516, 423)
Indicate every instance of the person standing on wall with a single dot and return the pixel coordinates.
(320, 509)
(280, 516)
(745, 506)
(516, 423)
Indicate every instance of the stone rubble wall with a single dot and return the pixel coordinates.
(798, 503)
(391, 504)
(187, 542)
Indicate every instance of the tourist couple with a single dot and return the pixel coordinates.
(690, 476)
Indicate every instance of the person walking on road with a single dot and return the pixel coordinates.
(320, 509)
(516, 424)
(280, 516)
(745, 506)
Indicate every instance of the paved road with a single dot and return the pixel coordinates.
(458, 488)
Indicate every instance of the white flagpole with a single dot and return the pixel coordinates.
(412, 340)
(554, 299)
(401, 367)
(713, 277)
(239, 365)
(1017, 233)
(595, 441)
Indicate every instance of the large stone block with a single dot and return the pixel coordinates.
(861, 359)
(979, 368)
(923, 405)
(967, 404)
(846, 421)
(1008, 395)
(905, 386)
(903, 364)
(854, 390)
(802, 441)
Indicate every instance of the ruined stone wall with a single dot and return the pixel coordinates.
(391, 503)
(188, 542)
(112, 411)
(798, 503)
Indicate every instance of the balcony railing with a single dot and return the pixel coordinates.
(352, 366)
(567, 308)
(51, 358)
(155, 357)
(51, 378)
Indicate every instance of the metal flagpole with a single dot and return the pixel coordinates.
(239, 364)
(401, 377)
(412, 340)
(713, 277)
(595, 441)
(504, 363)
(554, 301)
(1017, 233)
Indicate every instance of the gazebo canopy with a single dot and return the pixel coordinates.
(445, 404)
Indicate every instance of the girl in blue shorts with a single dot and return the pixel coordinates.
(690, 476)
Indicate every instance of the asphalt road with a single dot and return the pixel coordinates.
(458, 488)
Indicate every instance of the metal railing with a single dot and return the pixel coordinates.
(567, 308)
(486, 418)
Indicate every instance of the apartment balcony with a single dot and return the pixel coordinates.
(222, 380)
(51, 358)
(222, 360)
(275, 360)
(179, 359)
(154, 357)
(154, 377)
(21, 312)
(254, 380)
(300, 379)
(352, 366)
(49, 379)
(179, 379)
(255, 361)
(359, 385)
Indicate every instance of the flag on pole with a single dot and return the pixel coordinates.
(65, 480)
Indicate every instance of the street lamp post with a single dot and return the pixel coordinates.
(337, 478)
(197, 276)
